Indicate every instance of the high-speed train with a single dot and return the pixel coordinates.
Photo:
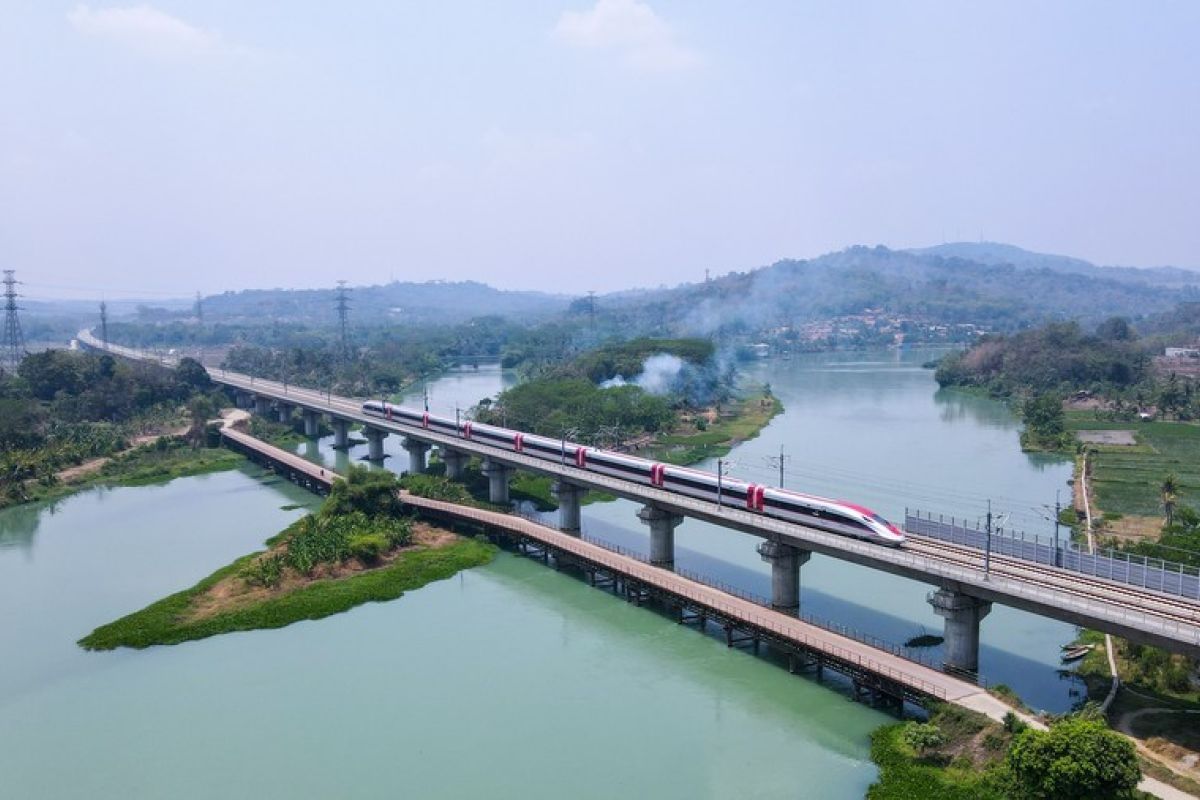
(835, 516)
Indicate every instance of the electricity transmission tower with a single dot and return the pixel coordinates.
(199, 310)
(342, 304)
(104, 322)
(14, 340)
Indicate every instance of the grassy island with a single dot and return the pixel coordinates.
(356, 549)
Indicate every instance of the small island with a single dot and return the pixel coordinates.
(358, 548)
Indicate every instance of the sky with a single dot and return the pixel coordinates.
(165, 148)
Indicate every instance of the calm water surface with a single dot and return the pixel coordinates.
(510, 680)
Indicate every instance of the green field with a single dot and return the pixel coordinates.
(1125, 479)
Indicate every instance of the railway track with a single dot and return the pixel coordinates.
(1175, 609)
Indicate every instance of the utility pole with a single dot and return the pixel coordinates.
(987, 550)
(1057, 517)
(342, 303)
(14, 341)
(720, 476)
(104, 323)
(778, 461)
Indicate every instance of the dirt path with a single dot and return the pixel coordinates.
(1125, 723)
(92, 465)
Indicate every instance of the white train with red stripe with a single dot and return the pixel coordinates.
(835, 516)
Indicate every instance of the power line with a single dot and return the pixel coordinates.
(14, 340)
(342, 303)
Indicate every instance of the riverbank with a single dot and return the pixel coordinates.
(238, 597)
(157, 459)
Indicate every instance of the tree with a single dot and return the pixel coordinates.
(1169, 492)
(192, 374)
(1045, 422)
(200, 409)
(374, 493)
(1077, 759)
(923, 736)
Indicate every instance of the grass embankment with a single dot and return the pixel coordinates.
(967, 766)
(228, 601)
(690, 442)
(168, 458)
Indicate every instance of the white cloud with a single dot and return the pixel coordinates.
(149, 31)
(630, 28)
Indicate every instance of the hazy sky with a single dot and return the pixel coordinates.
(172, 147)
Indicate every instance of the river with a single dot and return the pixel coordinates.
(508, 680)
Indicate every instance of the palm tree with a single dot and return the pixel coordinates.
(1169, 491)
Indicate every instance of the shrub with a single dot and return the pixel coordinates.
(923, 736)
(266, 570)
(368, 547)
(1014, 724)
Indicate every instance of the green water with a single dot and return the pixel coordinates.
(510, 680)
(506, 681)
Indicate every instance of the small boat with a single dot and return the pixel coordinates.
(1076, 653)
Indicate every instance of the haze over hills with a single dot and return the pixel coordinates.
(999, 253)
(991, 285)
(981, 287)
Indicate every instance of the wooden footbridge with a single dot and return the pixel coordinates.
(876, 674)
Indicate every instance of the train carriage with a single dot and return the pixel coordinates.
(835, 516)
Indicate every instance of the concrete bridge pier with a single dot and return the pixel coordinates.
(285, 412)
(262, 405)
(962, 614)
(662, 534)
(498, 475)
(242, 399)
(416, 455)
(785, 561)
(375, 438)
(455, 461)
(341, 433)
(568, 496)
(312, 424)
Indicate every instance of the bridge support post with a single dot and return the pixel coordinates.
(568, 496)
(242, 400)
(341, 433)
(662, 534)
(498, 475)
(375, 438)
(262, 405)
(416, 455)
(455, 461)
(962, 614)
(785, 561)
(312, 424)
(285, 413)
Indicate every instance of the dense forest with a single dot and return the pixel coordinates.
(62, 407)
(614, 391)
(1060, 359)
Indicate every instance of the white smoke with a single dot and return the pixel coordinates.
(659, 374)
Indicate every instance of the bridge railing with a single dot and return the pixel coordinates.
(1146, 572)
(825, 624)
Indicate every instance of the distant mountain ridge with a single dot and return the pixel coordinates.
(951, 284)
(396, 302)
(999, 253)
